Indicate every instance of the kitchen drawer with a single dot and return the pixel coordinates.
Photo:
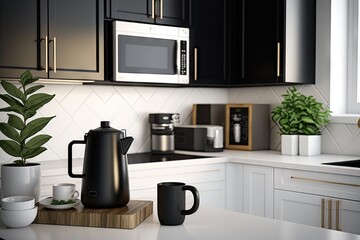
(149, 178)
(327, 184)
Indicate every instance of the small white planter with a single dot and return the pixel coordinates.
(290, 145)
(21, 180)
(309, 145)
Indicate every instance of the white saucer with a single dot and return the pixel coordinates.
(47, 204)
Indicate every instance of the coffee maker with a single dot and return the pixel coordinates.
(162, 132)
(105, 180)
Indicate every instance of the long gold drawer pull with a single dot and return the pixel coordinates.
(325, 181)
(337, 220)
(322, 220)
(329, 213)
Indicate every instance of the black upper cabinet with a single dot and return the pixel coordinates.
(276, 44)
(60, 39)
(166, 12)
(207, 43)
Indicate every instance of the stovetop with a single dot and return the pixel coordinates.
(148, 157)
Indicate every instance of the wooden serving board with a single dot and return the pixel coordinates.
(127, 217)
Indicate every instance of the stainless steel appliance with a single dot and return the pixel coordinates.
(207, 138)
(162, 132)
(105, 181)
(150, 53)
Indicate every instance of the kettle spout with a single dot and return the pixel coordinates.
(125, 144)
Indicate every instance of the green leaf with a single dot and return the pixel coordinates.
(10, 132)
(10, 100)
(16, 122)
(307, 119)
(30, 153)
(9, 109)
(29, 113)
(13, 90)
(37, 141)
(10, 147)
(20, 162)
(34, 127)
(27, 78)
(38, 100)
(33, 89)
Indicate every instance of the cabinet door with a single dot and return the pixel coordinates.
(76, 39)
(207, 44)
(258, 190)
(260, 41)
(133, 10)
(234, 186)
(20, 44)
(317, 210)
(348, 217)
(298, 207)
(174, 12)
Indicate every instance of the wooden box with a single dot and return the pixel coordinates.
(247, 126)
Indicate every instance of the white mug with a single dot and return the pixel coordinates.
(65, 191)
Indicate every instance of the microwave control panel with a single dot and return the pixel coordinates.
(183, 57)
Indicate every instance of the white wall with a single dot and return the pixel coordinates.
(81, 108)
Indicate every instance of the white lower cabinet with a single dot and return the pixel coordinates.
(208, 179)
(250, 189)
(258, 190)
(296, 199)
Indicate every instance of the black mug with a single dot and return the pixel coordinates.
(171, 202)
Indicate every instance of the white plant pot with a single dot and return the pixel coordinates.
(21, 180)
(309, 145)
(290, 145)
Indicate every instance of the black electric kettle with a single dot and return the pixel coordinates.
(105, 180)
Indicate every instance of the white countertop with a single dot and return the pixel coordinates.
(205, 224)
(265, 158)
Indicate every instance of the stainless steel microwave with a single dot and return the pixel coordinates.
(150, 53)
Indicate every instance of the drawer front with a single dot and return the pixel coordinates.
(333, 185)
(142, 179)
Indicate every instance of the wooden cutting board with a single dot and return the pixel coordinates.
(127, 217)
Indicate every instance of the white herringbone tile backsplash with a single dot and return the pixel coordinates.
(81, 108)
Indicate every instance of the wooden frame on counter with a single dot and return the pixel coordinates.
(247, 126)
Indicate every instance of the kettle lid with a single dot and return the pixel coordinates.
(105, 128)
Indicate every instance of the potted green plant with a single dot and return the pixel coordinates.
(302, 115)
(286, 117)
(23, 139)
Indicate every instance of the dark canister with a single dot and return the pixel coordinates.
(105, 180)
(171, 202)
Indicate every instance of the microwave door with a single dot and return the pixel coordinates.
(145, 59)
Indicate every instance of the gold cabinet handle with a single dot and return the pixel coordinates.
(329, 213)
(152, 9)
(324, 181)
(55, 54)
(322, 219)
(278, 59)
(337, 220)
(46, 54)
(195, 64)
(161, 9)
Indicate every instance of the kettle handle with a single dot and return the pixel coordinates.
(71, 174)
